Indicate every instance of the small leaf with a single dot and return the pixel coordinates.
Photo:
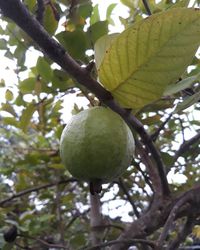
(97, 30)
(72, 40)
(95, 15)
(109, 12)
(50, 22)
(26, 116)
(11, 121)
(44, 69)
(3, 44)
(150, 55)
(9, 95)
(27, 86)
(8, 108)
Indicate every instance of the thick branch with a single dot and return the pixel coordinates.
(160, 209)
(35, 189)
(21, 16)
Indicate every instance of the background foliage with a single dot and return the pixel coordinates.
(55, 209)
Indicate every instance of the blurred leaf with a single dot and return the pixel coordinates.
(189, 101)
(109, 12)
(27, 86)
(44, 69)
(8, 108)
(26, 116)
(141, 63)
(72, 40)
(30, 4)
(9, 95)
(196, 231)
(57, 166)
(61, 80)
(11, 121)
(95, 17)
(183, 84)
(50, 22)
(97, 30)
(3, 44)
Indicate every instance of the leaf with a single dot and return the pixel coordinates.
(3, 44)
(26, 116)
(97, 30)
(11, 121)
(189, 101)
(27, 86)
(44, 69)
(109, 13)
(9, 95)
(150, 55)
(100, 47)
(50, 22)
(8, 108)
(95, 15)
(183, 84)
(72, 40)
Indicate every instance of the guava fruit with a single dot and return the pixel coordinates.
(96, 145)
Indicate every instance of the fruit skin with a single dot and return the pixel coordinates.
(97, 144)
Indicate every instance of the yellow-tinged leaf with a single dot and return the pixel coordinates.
(196, 231)
(150, 55)
(26, 116)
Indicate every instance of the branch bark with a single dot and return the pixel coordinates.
(96, 220)
(17, 12)
(186, 146)
(161, 210)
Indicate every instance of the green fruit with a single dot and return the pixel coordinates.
(97, 144)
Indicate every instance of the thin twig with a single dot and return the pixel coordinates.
(123, 187)
(186, 146)
(36, 189)
(146, 5)
(155, 135)
(43, 242)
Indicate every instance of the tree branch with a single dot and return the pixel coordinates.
(40, 11)
(186, 146)
(36, 189)
(96, 220)
(43, 242)
(161, 210)
(188, 197)
(146, 5)
(16, 11)
(129, 198)
(130, 242)
(186, 230)
(155, 135)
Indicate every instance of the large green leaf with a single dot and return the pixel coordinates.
(150, 55)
